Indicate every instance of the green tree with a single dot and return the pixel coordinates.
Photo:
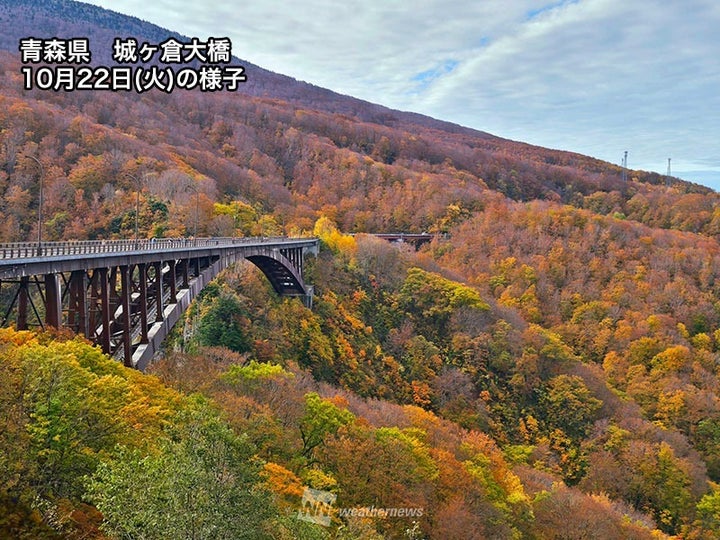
(322, 417)
(569, 405)
(708, 510)
(203, 483)
(222, 324)
(706, 437)
(431, 300)
(668, 489)
(64, 406)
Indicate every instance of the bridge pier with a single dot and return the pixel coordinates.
(157, 281)
(125, 292)
(53, 300)
(104, 338)
(173, 280)
(21, 322)
(78, 315)
(143, 299)
(185, 274)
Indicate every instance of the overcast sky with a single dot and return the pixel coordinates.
(592, 76)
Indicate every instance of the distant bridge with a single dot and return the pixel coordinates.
(126, 295)
(416, 239)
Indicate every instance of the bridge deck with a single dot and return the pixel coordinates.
(27, 259)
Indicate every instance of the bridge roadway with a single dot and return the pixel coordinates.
(126, 295)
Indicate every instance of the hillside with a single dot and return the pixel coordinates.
(294, 161)
(548, 368)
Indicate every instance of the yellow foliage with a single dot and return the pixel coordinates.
(653, 322)
(359, 296)
(671, 408)
(702, 341)
(137, 405)
(529, 428)
(487, 464)
(672, 359)
(683, 330)
(318, 479)
(508, 299)
(615, 367)
(420, 418)
(281, 481)
(617, 438)
(10, 336)
(623, 331)
(326, 230)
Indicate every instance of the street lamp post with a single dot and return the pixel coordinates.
(40, 202)
(195, 190)
(197, 212)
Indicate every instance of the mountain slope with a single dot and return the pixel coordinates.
(23, 18)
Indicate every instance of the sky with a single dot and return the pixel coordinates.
(598, 77)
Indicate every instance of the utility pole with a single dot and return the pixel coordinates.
(40, 202)
(138, 187)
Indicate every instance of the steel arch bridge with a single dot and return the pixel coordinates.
(126, 295)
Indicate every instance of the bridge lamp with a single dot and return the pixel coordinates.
(40, 201)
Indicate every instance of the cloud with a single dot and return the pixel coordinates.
(597, 76)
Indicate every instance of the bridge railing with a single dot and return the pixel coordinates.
(23, 250)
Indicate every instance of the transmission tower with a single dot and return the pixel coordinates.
(624, 166)
(667, 176)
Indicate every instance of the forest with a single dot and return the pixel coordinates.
(546, 367)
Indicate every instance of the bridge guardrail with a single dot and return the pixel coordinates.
(26, 250)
